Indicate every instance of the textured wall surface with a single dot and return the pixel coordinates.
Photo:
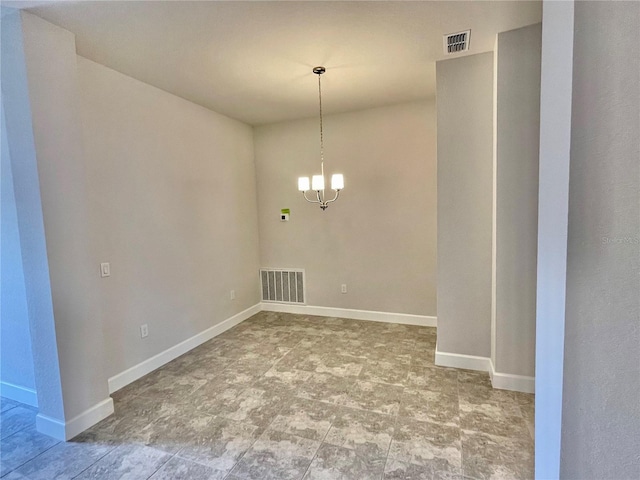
(171, 191)
(465, 155)
(601, 413)
(379, 238)
(517, 151)
(53, 92)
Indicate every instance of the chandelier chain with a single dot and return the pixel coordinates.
(321, 132)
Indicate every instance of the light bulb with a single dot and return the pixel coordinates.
(303, 184)
(317, 182)
(337, 181)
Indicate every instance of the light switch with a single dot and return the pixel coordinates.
(105, 270)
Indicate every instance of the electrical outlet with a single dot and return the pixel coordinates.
(343, 289)
(144, 331)
(232, 294)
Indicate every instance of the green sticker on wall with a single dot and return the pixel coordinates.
(285, 210)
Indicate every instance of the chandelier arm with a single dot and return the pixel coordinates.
(334, 198)
(304, 194)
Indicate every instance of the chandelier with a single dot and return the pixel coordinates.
(317, 181)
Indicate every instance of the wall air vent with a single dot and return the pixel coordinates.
(456, 42)
(282, 285)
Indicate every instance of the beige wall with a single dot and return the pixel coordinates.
(465, 153)
(601, 410)
(379, 238)
(171, 190)
(50, 55)
(162, 189)
(516, 196)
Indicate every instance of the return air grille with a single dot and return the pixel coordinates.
(282, 285)
(457, 42)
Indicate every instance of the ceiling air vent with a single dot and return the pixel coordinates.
(456, 42)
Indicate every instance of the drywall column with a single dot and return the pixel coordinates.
(50, 54)
(601, 410)
(517, 135)
(553, 204)
(51, 78)
(465, 155)
(17, 378)
(20, 143)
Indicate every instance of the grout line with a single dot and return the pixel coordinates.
(15, 433)
(265, 428)
(252, 443)
(8, 409)
(32, 458)
(171, 457)
(393, 435)
(334, 407)
(18, 404)
(84, 470)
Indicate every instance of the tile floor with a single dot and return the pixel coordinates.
(285, 396)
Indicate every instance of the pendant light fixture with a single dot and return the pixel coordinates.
(317, 181)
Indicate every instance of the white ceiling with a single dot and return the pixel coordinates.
(252, 60)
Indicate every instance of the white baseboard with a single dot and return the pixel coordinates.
(28, 396)
(140, 370)
(502, 381)
(516, 383)
(51, 426)
(67, 430)
(458, 360)
(402, 318)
